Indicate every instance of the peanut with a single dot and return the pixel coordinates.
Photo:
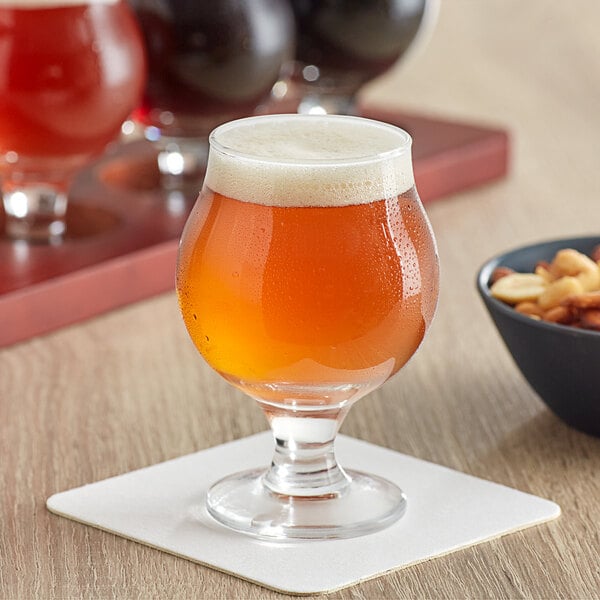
(590, 319)
(571, 262)
(500, 272)
(587, 300)
(543, 270)
(518, 287)
(560, 314)
(529, 308)
(558, 291)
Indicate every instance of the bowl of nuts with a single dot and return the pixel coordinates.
(545, 302)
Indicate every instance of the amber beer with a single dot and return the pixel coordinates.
(307, 270)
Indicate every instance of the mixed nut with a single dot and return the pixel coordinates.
(565, 290)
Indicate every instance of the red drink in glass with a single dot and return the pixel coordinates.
(70, 74)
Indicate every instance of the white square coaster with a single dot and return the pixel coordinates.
(162, 506)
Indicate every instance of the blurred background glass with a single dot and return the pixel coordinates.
(343, 44)
(209, 62)
(70, 75)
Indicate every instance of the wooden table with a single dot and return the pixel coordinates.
(127, 389)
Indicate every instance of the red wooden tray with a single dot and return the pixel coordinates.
(122, 231)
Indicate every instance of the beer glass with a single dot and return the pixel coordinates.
(307, 276)
(343, 44)
(209, 62)
(72, 71)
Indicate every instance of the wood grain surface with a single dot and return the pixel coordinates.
(127, 389)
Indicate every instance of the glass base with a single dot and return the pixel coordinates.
(181, 161)
(367, 504)
(327, 104)
(35, 212)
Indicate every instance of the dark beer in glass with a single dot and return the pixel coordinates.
(209, 62)
(342, 44)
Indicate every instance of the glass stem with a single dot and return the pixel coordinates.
(304, 462)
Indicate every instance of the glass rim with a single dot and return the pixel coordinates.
(404, 144)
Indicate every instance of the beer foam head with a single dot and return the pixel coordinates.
(37, 4)
(309, 160)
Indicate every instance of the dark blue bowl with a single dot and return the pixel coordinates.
(561, 363)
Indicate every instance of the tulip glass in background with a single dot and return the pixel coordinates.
(71, 72)
(343, 44)
(209, 62)
(307, 276)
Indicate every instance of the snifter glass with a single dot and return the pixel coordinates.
(72, 71)
(343, 44)
(307, 276)
(209, 62)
